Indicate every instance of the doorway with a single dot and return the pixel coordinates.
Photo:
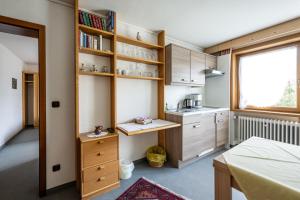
(37, 91)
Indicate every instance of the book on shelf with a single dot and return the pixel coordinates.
(105, 23)
(90, 41)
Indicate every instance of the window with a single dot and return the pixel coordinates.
(268, 79)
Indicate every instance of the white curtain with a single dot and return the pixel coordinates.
(264, 77)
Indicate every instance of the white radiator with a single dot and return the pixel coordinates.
(279, 130)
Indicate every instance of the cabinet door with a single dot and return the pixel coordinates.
(198, 137)
(222, 122)
(180, 65)
(210, 61)
(197, 68)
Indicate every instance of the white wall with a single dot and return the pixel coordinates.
(59, 22)
(10, 99)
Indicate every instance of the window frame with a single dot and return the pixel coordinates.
(287, 41)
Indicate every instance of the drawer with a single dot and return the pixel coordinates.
(98, 145)
(100, 156)
(100, 170)
(99, 182)
(198, 137)
(196, 118)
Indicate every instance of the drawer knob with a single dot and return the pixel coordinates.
(100, 167)
(182, 79)
(100, 142)
(100, 154)
(101, 179)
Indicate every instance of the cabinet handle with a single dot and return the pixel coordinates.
(182, 79)
(101, 179)
(194, 80)
(100, 142)
(196, 126)
(100, 167)
(100, 154)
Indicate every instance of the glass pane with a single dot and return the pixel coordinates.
(269, 79)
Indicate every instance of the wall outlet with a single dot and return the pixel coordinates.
(55, 104)
(56, 167)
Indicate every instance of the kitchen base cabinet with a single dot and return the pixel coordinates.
(199, 135)
(222, 128)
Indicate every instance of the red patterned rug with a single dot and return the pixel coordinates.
(145, 189)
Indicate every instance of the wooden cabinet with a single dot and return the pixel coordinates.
(222, 128)
(210, 61)
(186, 67)
(179, 58)
(195, 137)
(197, 68)
(198, 137)
(99, 164)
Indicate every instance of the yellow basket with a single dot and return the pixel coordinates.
(156, 156)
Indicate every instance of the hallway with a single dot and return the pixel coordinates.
(19, 166)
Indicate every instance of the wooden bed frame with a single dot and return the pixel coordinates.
(224, 181)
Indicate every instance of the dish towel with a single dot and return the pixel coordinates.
(266, 169)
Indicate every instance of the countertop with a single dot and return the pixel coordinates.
(202, 110)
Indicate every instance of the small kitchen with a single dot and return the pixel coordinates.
(205, 125)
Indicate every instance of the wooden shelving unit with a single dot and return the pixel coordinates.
(139, 77)
(139, 43)
(96, 73)
(84, 144)
(138, 60)
(95, 31)
(95, 52)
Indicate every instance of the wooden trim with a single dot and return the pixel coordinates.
(42, 91)
(292, 40)
(95, 52)
(270, 33)
(23, 100)
(36, 100)
(96, 73)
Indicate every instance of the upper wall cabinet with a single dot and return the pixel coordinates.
(210, 61)
(197, 68)
(179, 59)
(186, 67)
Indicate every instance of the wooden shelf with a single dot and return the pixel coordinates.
(136, 42)
(96, 52)
(84, 138)
(95, 73)
(95, 31)
(139, 77)
(159, 128)
(138, 60)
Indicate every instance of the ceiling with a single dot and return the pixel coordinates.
(201, 22)
(26, 48)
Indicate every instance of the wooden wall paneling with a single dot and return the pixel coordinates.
(113, 86)
(280, 30)
(77, 143)
(36, 100)
(23, 100)
(161, 87)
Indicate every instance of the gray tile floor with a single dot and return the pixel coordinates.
(19, 175)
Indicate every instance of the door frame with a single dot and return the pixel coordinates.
(24, 28)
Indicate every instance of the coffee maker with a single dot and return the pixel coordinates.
(195, 100)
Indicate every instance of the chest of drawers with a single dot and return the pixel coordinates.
(99, 164)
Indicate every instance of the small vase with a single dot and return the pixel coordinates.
(138, 36)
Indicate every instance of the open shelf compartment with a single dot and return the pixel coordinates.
(128, 40)
(132, 128)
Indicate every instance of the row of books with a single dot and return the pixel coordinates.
(90, 41)
(105, 23)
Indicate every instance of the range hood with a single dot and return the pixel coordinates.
(213, 73)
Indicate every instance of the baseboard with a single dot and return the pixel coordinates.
(142, 160)
(63, 186)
